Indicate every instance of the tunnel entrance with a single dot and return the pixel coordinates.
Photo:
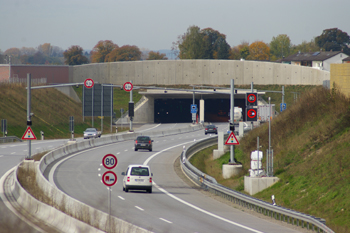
(179, 110)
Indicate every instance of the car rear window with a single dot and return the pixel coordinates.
(143, 138)
(211, 126)
(139, 171)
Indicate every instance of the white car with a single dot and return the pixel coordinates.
(137, 177)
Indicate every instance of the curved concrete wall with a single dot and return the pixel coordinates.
(199, 72)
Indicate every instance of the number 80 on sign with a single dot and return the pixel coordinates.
(109, 161)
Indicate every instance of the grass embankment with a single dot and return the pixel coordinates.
(311, 142)
(52, 110)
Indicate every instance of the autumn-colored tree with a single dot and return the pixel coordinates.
(45, 49)
(124, 53)
(334, 39)
(240, 51)
(13, 52)
(280, 47)
(101, 50)
(259, 51)
(74, 56)
(156, 56)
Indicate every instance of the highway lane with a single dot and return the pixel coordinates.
(11, 154)
(172, 207)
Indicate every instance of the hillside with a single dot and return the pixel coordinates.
(311, 142)
(52, 110)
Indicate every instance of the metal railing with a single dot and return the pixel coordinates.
(277, 212)
(9, 139)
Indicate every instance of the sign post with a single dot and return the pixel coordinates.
(109, 178)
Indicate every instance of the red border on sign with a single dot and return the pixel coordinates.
(115, 181)
(252, 100)
(103, 161)
(89, 79)
(132, 86)
(234, 143)
(250, 110)
(30, 131)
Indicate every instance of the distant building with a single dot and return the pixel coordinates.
(40, 74)
(319, 60)
(346, 60)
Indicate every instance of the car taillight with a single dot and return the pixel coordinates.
(149, 142)
(128, 179)
(136, 141)
(150, 179)
(206, 128)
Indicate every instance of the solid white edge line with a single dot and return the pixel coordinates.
(149, 128)
(189, 204)
(9, 206)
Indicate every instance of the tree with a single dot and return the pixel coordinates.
(240, 51)
(101, 50)
(124, 53)
(280, 47)
(202, 44)
(191, 44)
(305, 47)
(27, 51)
(45, 49)
(259, 51)
(215, 44)
(74, 56)
(156, 56)
(334, 39)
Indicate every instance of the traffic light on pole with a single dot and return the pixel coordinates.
(232, 127)
(131, 109)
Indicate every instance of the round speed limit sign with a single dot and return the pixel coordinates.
(128, 86)
(109, 161)
(89, 83)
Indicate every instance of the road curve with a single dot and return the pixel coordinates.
(174, 206)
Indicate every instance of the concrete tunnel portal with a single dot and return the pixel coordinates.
(178, 110)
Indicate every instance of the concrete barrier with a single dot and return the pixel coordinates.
(92, 220)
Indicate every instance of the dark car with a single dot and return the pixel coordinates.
(143, 142)
(211, 129)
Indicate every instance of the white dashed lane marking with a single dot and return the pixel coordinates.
(139, 208)
(121, 198)
(165, 220)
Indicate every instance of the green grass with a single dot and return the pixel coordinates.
(52, 110)
(311, 142)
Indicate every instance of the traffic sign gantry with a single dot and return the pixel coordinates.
(109, 161)
(252, 114)
(89, 83)
(128, 86)
(29, 134)
(232, 140)
(109, 178)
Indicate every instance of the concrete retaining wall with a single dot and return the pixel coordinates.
(72, 207)
(199, 72)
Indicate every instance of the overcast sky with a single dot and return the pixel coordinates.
(155, 24)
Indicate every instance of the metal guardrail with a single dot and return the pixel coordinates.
(277, 212)
(9, 139)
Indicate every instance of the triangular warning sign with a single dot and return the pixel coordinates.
(29, 134)
(232, 140)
